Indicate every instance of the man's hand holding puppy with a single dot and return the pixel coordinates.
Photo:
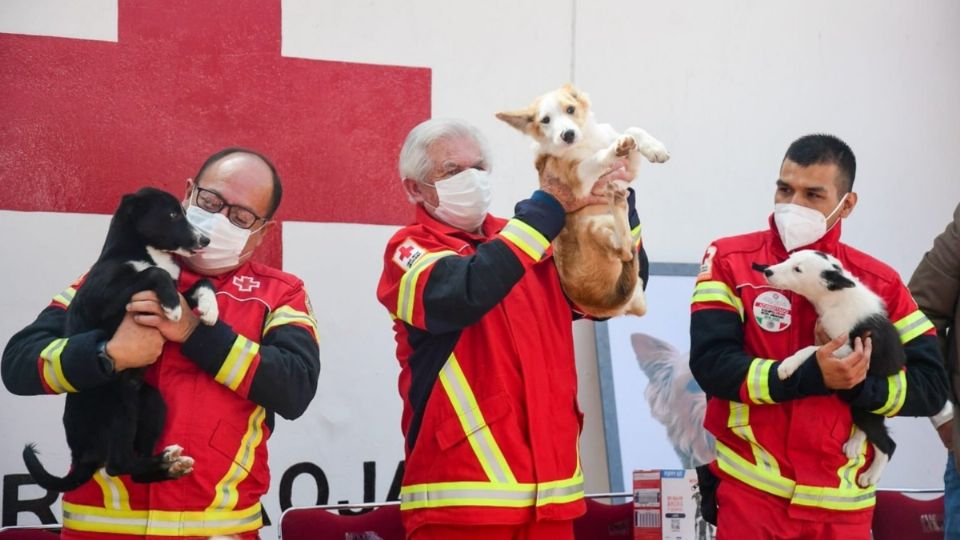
(134, 345)
(147, 311)
(849, 371)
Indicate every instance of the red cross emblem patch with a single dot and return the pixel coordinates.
(407, 254)
(245, 283)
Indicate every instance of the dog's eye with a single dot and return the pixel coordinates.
(571, 109)
(545, 120)
(174, 215)
(797, 269)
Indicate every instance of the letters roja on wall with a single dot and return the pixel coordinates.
(301, 484)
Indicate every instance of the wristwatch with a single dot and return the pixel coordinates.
(106, 362)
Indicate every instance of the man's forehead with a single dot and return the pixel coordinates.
(242, 179)
(815, 176)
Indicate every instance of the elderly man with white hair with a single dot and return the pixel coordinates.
(485, 345)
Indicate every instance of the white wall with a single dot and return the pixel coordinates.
(726, 85)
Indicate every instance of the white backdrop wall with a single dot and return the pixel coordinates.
(726, 85)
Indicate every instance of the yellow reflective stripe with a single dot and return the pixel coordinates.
(913, 325)
(525, 237)
(494, 494)
(738, 467)
(227, 493)
(896, 394)
(474, 425)
(53, 369)
(238, 361)
(635, 233)
(561, 491)
(65, 296)
(407, 294)
(739, 424)
(288, 315)
(758, 381)
(834, 498)
(115, 494)
(717, 291)
(848, 472)
(160, 522)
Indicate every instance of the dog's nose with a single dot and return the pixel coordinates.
(768, 272)
(203, 241)
(568, 136)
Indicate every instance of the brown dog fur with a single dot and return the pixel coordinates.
(594, 252)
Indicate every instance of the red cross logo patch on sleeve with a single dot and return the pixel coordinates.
(407, 254)
(245, 283)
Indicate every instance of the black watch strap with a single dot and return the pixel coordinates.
(106, 362)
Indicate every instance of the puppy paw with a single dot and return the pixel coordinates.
(784, 370)
(175, 462)
(655, 152)
(172, 314)
(207, 306)
(625, 144)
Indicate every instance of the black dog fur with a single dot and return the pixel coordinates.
(118, 424)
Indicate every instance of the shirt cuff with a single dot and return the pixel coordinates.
(944, 416)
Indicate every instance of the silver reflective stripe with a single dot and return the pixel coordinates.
(242, 360)
(156, 523)
(469, 496)
(531, 241)
(772, 486)
(833, 498)
(912, 326)
(458, 394)
(557, 492)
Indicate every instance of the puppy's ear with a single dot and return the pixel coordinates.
(128, 205)
(835, 280)
(521, 120)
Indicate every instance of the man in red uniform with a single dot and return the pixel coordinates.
(485, 345)
(783, 473)
(222, 384)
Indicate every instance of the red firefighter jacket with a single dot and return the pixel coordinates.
(488, 378)
(785, 437)
(221, 388)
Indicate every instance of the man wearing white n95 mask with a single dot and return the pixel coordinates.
(780, 457)
(222, 384)
(485, 345)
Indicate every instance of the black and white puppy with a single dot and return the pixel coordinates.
(118, 424)
(844, 306)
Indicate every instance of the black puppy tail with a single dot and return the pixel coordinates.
(77, 476)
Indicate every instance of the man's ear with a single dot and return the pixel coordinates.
(835, 280)
(520, 120)
(848, 205)
(412, 189)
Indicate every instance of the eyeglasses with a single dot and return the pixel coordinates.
(212, 202)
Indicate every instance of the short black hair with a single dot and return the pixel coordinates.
(820, 148)
(277, 186)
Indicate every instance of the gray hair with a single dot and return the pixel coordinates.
(415, 163)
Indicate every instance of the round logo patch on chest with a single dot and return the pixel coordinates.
(771, 310)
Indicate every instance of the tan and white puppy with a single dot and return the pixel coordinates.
(594, 253)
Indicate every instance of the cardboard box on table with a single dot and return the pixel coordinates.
(666, 506)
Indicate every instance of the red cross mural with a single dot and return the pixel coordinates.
(83, 122)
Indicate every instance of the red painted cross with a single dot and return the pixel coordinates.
(405, 252)
(245, 283)
(83, 122)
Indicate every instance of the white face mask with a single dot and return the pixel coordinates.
(464, 199)
(801, 226)
(226, 240)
